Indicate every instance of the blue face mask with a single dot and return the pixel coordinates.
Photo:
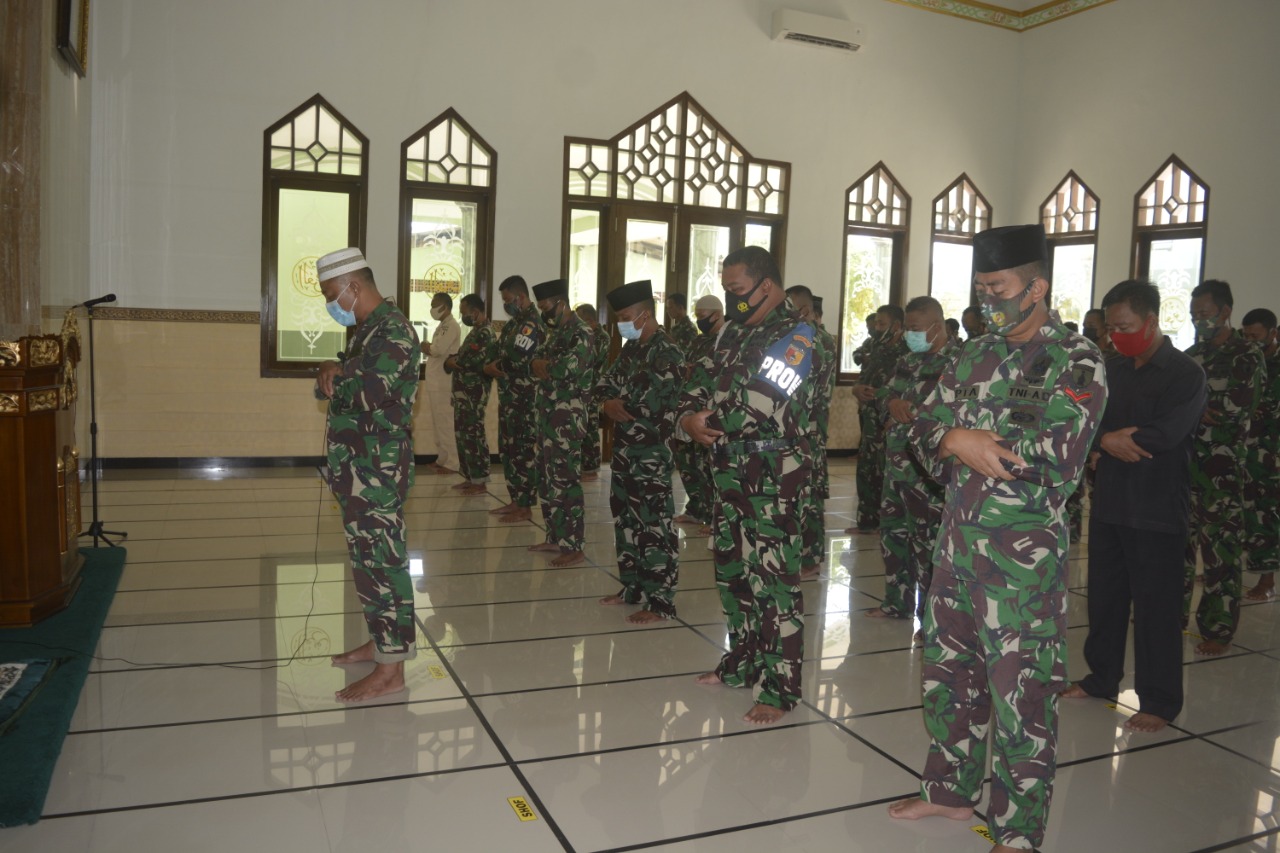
(917, 341)
(341, 316)
(629, 331)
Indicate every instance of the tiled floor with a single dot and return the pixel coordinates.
(525, 687)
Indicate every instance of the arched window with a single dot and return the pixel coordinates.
(624, 197)
(314, 197)
(958, 213)
(448, 181)
(1170, 232)
(1070, 218)
(877, 217)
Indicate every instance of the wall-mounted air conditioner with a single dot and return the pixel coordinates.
(817, 30)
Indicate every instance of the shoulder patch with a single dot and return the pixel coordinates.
(788, 362)
(1082, 375)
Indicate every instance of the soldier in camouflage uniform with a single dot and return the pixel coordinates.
(692, 459)
(824, 424)
(813, 506)
(911, 508)
(1262, 494)
(864, 349)
(877, 367)
(1237, 374)
(639, 394)
(1007, 429)
(471, 394)
(521, 337)
(755, 418)
(369, 445)
(564, 368)
(599, 362)
(679, 326)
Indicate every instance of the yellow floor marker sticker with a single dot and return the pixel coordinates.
(984, 832)
(436, 671)
(523, 811)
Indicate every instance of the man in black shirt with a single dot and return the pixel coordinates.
(1141, 500)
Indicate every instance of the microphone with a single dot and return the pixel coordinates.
(110, 297)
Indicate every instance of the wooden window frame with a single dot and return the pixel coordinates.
(962, 237)
(1061, 231)
(1145, 235)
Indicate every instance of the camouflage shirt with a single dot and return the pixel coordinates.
(377, 380)
(1265, 426)
(479, 347)
(1236, 374)
(1045, 396)
(824, 382)
(599, 357)
(565, 395)
(522, 334)
(683, 331)
(913, 379)
(877, 370)
(647, 377)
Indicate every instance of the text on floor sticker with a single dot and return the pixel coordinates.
(436, 671)
(984, 832)
(522, 808)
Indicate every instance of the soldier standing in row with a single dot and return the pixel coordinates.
(564, 368)
(1007, 429)
(813, 513)
(369, 450)
(1236, 374)
(877, 367)
(911, 508)
(599, 361)
(974, 325)
(639, 394)
(692, 459)
(439, 385)
(679, 326)
(755, 418)
(522, 335)
(471, 394)
(1262, 494)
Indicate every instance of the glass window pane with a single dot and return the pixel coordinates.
(647, 257)
(708, 244)
(442, 257)
(1175, 269)
(952, 277)
(1072, 280)
(760, 234)
(868, 270)
(584, 257)
(311, 223)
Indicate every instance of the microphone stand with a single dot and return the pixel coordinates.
(95, 527)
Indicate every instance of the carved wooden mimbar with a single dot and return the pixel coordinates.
(39, 477)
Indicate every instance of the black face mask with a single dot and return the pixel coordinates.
(552, 316)
(706, 324)
(738, 308)
(469, 320)
(1091, 333)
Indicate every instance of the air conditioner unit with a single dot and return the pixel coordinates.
(817, 30)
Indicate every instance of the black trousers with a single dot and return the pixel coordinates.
(1143, 569)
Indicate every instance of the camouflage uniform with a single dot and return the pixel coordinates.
(562, 422)
(517, 404)
(760, 397)
(369, 448)
(1236, 374)
(599, 362)
(1075, 513)
(647, 377)
(911, 507)
(470, 400)
(683, 332)
(995, 616)
(693, 461)
(877, 367)
(1262, 491)
(813, 506)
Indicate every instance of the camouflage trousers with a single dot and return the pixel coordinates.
(371, 484)
(1216, 535)
(757, 557)
(813, 510)
(518, 443)
(1075, 513)
(560, 490)
(1001, 649)
(473, 443)
(591, 444)
(870, 474)
(693, 461)
(822, 473)
(910, 515)
(642, 504)
(1262, 507)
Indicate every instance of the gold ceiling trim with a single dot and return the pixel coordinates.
(173, 315)
(1006, 19)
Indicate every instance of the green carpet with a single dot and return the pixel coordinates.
(31, 740)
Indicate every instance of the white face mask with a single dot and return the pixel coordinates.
(439, 312)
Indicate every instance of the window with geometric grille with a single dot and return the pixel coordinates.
(1070, 219)
(314, 198)
(666, 199)
(959, 212)
(877, 220)
(448, 182)
(1170, 234)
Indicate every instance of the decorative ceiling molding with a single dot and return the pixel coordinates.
(1000, 16)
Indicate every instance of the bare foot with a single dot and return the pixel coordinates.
(1212, 649)
(809, 572)
(568, 558)
(685, 518)
(520, 513)
(457, 487)
(1075, 691)
(385, 678)
(505, 508)
(708, 678)
(917, 638)
(877, 613)
(473, 489)
(704, 530)
(644, 617)
(548, 547)
(1141, 722)
(612, 600)
(763, 715)
(1264, 591)
(360, 654)
(915, 808)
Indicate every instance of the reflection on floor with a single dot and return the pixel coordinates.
(525, 688)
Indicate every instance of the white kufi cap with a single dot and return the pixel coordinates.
(339, 263)
(710, 302)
